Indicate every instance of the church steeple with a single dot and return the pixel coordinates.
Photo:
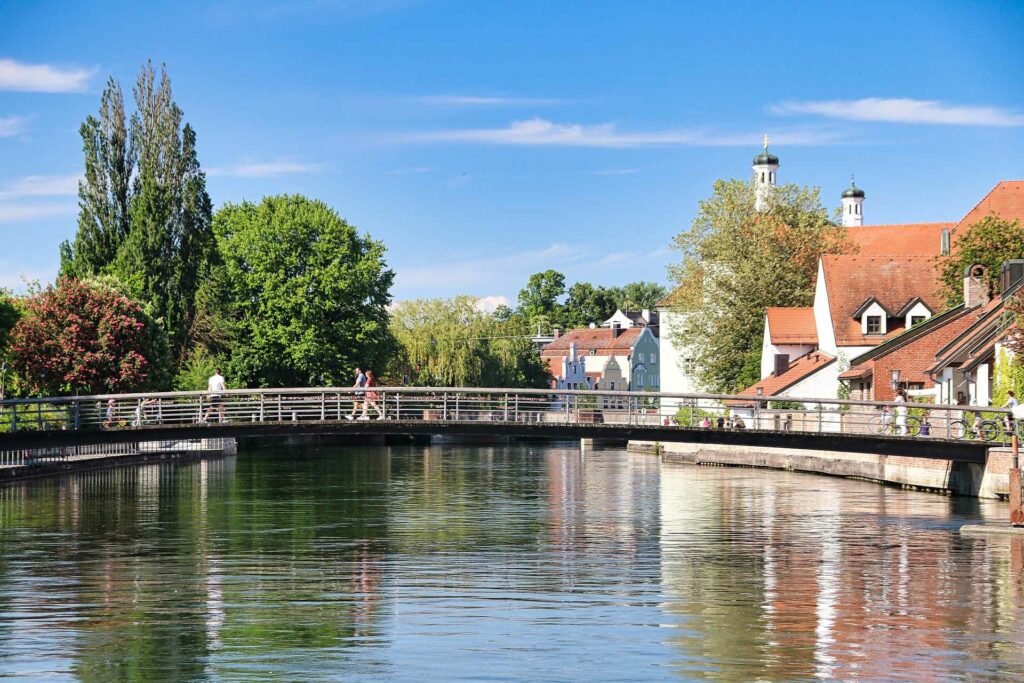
(853, 205)
(765, 165)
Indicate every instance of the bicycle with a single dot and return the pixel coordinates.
(884, 424)
(987, 430)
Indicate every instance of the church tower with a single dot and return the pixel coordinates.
(765, 166)
(853, 206)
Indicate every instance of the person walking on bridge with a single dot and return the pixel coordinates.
(901, 412)
(357, 401)
(371, 398)
(216, 386)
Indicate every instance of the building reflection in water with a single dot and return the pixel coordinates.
(782, 576)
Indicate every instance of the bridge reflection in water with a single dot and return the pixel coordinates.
(149, 420)
(422, 563)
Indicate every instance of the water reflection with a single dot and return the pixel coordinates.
(506, 562)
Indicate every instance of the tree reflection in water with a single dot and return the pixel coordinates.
(526, 561)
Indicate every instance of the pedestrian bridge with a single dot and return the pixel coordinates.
(61, 427)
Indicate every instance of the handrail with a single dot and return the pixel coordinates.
(641, 395)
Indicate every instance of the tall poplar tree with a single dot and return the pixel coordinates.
(104, 193)
(171, 238)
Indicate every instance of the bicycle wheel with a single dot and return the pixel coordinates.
(989, 430)
(877, 425)
(913, 426)
(958, 429)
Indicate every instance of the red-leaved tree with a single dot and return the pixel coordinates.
(88, 338)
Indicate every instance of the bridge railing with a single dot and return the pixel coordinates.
(443, 405)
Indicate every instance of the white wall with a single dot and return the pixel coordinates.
(822, 319)
(919, 309)
(875, 310)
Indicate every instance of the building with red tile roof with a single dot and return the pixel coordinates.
(635, 350)
(802, 378)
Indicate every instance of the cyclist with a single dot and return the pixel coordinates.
(1011, 403)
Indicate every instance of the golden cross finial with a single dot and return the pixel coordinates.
(766, 142)
(852, 181)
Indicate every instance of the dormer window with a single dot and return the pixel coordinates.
(874, 324)
(917, 319)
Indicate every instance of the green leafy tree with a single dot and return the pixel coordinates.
(637, 296)
(988, 242)
(144, 212)
(450, 342)
(587, 304)
(306, 293)
(541, 294)
(104, 193)
(9, 315)
(171, 238)
(736, 262)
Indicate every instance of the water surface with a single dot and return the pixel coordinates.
(504, 563)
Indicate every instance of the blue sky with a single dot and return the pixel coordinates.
(484, 141)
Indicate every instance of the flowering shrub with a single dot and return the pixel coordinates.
(84, 337)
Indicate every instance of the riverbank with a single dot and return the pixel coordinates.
(990, 480)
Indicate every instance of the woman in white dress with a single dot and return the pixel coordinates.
(901, 412)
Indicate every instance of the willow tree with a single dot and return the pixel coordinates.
(736, 262)
(450, 342)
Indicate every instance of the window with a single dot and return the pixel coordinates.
(641, 356)
(917, 319)
(687, 366)
(654, 358)
(874, 324)
(640, 380)
(593, 352)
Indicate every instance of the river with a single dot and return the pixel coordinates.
(526, 562)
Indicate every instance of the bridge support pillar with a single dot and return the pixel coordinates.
(1016, 492)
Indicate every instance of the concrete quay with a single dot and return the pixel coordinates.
(988, 480)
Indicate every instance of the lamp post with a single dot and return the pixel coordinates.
(3, 382)
(895, 379)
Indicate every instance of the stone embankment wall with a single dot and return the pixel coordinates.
(990, 480)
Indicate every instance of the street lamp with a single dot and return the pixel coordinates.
(895, 379)
(3, 382)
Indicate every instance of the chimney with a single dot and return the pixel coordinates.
(556, 333)
(616, 330)
(975, 286)
(646, 315)
(781, 363)
(1010, 275)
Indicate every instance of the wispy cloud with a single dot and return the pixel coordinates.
(616, 171)
(416, 170)
(17, 213)
(12, 125)
(263, 169)
(484, 101)
(540, 132)
(41, 186)
(470, 273)
(14, 277)
(272, 10)
(42, 77)
(904, 110)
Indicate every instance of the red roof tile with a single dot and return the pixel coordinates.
(892, 280)
(792, 325)
(801, 368)
(1005, 200)
(599, 340)
(911, 239)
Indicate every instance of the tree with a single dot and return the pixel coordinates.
(588, 304)
(736, 262)
(540, 296)
(450, 342)
(988, 242)
(104, 193)
(87, 337)
(144, 213)
(171, 239)
(638, 296)
(9, 315)
(306, 293)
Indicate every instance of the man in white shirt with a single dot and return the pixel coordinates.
(216, 386)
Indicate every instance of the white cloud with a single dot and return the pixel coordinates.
(263, 169)
(41, 186)
(480, 101)
(489, 304)
(616, 171)
(16, 213)
(904, 110)
(42, 77)
(12, 125)
(540, 132)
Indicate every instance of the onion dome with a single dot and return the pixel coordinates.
(853, 191)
